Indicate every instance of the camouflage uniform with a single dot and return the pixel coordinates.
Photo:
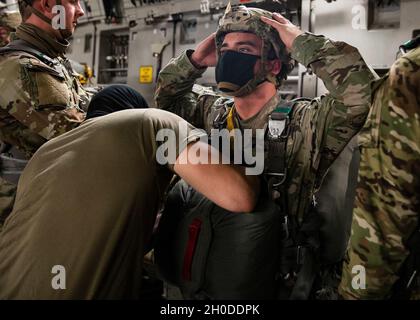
(388, 197)
(10, 21)
(320, 129)
(38, 101)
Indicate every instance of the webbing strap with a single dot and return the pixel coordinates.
(304, 257)
(24, 46)
(229, 120)
(40, 15)
(277, 135)
(44, 18)
(306, 276)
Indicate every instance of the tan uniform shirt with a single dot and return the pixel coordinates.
(87, 201)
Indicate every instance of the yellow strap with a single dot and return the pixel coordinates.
(231, 126)
(229, 119)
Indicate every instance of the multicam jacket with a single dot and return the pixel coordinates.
(38, 101)
(387, 204)
(319, 128)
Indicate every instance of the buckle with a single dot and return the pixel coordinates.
(285, 227)
(218, 122)
(300, 255)
(412, 277)
(276, 126)
(280, 177)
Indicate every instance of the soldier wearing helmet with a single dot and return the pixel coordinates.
(248, 24)
(252, 52)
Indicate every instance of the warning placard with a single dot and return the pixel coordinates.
(146, 74)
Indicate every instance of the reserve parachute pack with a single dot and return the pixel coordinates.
(211, 253)
(205, 250)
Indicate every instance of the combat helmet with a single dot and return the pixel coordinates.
(243, 19)
(10, 20)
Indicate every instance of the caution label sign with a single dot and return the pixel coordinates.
(146, 74)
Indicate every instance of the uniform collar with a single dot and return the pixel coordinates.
(42, 40)
(259, 120)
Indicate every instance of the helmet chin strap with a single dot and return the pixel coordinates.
(65, 34)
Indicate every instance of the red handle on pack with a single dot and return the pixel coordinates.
(193, 231)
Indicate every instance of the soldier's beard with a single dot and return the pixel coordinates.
(66, 34)
(63, 35)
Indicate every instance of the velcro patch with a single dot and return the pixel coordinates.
(51, 91)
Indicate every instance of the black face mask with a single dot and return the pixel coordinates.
(234, 70)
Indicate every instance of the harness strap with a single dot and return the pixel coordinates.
(40, 15)
(300, 253)
(44, 18)
(307, 274)
(308, 244)
(229, 120)
(24, 46)
(276, 168)
(20, 45)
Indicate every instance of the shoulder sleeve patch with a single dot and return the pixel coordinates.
(44, 84)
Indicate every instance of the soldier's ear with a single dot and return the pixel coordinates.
(274, 66)
(46, 5)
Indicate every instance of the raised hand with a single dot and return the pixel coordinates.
(288, 32)
(205, 54)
